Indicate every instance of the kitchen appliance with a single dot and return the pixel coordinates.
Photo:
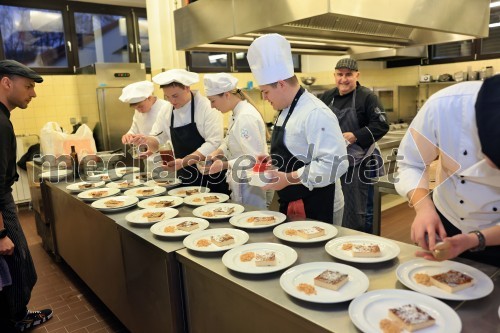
(99, 86)
(426, 78)
(399, 102)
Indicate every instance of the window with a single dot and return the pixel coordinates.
(144, 42)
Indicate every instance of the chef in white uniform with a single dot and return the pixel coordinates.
(245, 138)
(139, 95)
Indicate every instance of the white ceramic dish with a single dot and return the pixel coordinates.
(197, 199)
(241, 220)
(147, 203)
(280, 231)
(132, 184)
(85, 195)
(181, 191)
(55, 175)
(203, 211)
(158, 229)
(388, 248)
(367, 310)
(107, 177)
(75, 188)
(138, 217)
(128, 202)
(240, 238)
(157, 190)
(358, 282)
(126, 170)
(285, 257)
(168, 183)
(482, 287)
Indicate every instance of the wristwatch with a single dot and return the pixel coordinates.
(3, 233)
(482, 241)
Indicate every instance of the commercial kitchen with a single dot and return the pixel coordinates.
(149, 281)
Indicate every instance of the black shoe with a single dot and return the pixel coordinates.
(34, 318)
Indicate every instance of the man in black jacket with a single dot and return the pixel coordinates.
(363, 122)
(17, 88)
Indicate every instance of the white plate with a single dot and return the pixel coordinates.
(107, 177)
(135, 183)
(85, 195)
(193, 199)
(128, 202)
(330, 231)
(482, 287)
(158, 228)
(241, 220)
(56, 174)
(285, 257)
(138, 218)
(164, 182)
(358, 282)
(388, 248)
(74, 188)
(240, 238)
(126, 170)
(145, 203)
(367, 310)
(198, 212)
(181, 191)
(136, 192)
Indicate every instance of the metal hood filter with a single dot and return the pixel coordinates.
(331, 27)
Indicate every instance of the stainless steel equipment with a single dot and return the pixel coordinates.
(99, 86)
(330, 26)
(399, 102)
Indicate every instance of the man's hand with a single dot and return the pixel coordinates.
(427, 223)
(278, 180)
(349, 136)
(174, 165)
(450, 248)
(6, 246)
(127, 138)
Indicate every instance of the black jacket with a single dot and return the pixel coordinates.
(8, 172)
(371, 115)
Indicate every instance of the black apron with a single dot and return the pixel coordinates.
(318, 203)
(185, 140)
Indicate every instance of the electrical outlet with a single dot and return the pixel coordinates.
(72, 120)
(84, 120)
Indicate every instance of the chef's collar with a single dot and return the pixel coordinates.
(488, 118)
(5, 110)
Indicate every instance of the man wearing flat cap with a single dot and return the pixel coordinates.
(363, 122)
(460, 125)
(17, 88)
(139, 95)
(193, 127)
(306, 143)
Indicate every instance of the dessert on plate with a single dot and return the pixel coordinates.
(261, 220)
(153, 216)
(311, 232)
(411, 317)
(266, 258)
(112, 203)
(222, 240)
(188, 226)
(332, 280)
(452, 281)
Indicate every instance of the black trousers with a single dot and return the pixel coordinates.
(14, 298)
(490, 256)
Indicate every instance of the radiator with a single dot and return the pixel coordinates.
(21, 189)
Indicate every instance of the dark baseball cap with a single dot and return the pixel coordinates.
(347, 63)
(13, 67)
(488, 118)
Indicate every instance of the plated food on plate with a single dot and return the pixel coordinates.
(84, 186)
(201, 199)
(450, 281)
(95, 194)
(409, 317)
(218, 210)
(305, 231)
(180, 226)
(258, 219)
(112, 203)
(364, 250)
(161, 202)
(215, 240)
(144, 192)
(328, 279)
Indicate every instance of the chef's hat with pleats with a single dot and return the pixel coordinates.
(176, 75)
(137, 92)
(219, 83)
(270, 59)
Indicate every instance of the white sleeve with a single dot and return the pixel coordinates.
(210, 128)
(324, 136)
(417, 149)
(162, 125)
(248, 134)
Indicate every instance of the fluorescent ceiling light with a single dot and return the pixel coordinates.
(303, 42)
(494, 25)
(249, 39)
(494, 4)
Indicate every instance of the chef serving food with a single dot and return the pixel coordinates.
(460, 124)
(139, 95)
(306, 145)
(193, 127)
(245, 138)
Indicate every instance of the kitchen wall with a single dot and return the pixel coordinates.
(57, 97)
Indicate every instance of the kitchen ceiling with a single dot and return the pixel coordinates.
(127, 3)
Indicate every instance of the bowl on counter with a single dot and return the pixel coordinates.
(309, 80)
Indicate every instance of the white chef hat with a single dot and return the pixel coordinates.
(137, 92)
(176, 75)
(219, 83)
(270, 59)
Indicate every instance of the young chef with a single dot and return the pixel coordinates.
(139, 95)
(193, 127)
(459, 123)
(306, 144)
(246, 136)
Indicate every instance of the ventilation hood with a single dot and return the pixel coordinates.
(332, 27)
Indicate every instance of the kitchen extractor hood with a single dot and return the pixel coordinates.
(331, 27)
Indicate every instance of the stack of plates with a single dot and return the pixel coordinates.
(127, 203)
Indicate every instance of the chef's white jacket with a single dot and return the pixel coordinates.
(467, 190)
(208, 122)
(313, 126)
(142, 123)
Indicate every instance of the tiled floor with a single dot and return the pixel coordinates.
(76, 308)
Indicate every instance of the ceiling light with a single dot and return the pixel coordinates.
(494, 4)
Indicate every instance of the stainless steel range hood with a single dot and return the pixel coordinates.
(334, 27)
